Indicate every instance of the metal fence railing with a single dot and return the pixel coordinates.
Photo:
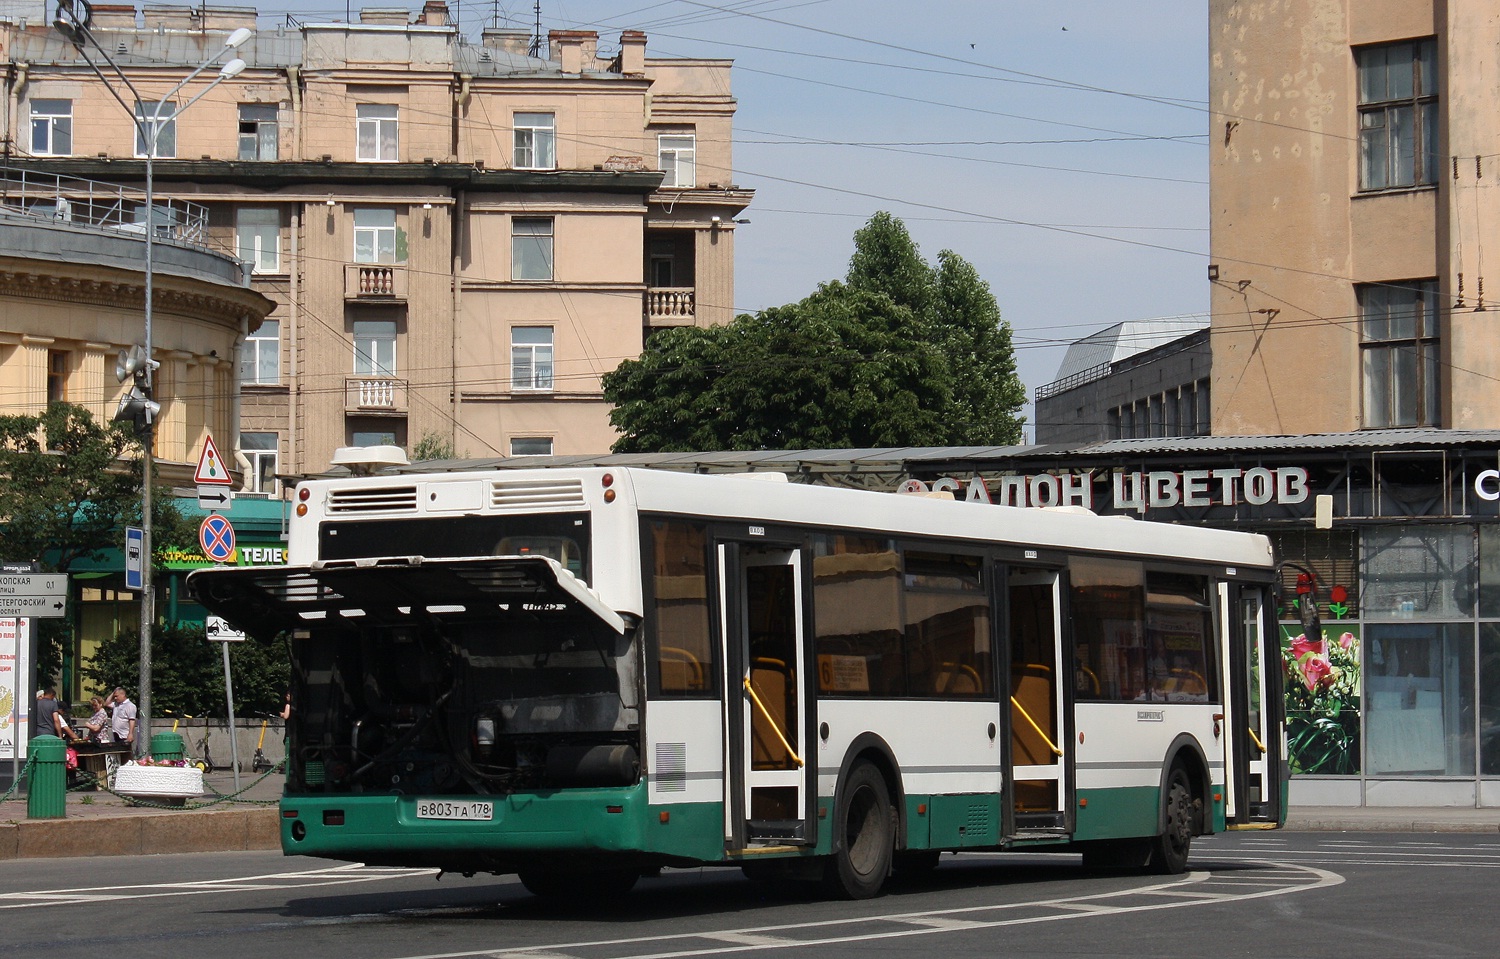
(93, 204)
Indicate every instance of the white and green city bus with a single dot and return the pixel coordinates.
(570, 672)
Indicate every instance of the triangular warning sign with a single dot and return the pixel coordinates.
(211, 469)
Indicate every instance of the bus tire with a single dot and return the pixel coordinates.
(598, 885)
(1169, 851)
(864, 836)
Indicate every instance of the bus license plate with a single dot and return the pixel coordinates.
(472, 811)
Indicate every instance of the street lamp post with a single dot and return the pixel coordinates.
(73, 21)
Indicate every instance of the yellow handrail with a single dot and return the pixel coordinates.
(1256, 740)
(1045, 738)
(770, 719)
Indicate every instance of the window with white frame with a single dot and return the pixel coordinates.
(258, 235)
(52, 127)
(375, 132)
(1398, 115)
(531, 357)
(155, 121)
(531, 248)
(374, 347)
(375, 234)
(678, 159)
(260, 450)
(258, 131)
(536, 141)
(531, 446)
(260, 363)
(1400, 336)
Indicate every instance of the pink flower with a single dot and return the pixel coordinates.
(1316, 671)
(1301, 647)
(1346, 641)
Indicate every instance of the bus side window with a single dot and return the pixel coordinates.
(678, 619)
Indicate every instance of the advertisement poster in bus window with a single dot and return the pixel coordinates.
(1322, 699)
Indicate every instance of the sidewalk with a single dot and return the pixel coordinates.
(101, 824)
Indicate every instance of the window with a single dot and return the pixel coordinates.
(154, 123)
(947, 626)
(536, 141)
(260, 450)
(258, 134)
(677, 155)
(375, 132)
(1398, 115)
(375, 235)
(59, 363)
(682, 643)
(531, 248)
(531, 446)
(258, 235)
(531, 358)
(52, 127)
(372, 438)
(374, 348)
(1399, 328)
(260, 364)
(857, 613)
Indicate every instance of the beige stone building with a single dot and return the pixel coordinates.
(1355, 149)
(460, 238)
(72, 299)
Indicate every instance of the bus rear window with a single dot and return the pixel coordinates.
(563, 537)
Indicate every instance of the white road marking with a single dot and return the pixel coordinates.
(1173, 894)
(330, 876)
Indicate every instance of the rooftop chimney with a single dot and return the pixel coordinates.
(574, 49)
(632, 53)
(435, 13)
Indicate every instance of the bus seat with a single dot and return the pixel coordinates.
(1031, 688)
(958, 679)
(680, 670)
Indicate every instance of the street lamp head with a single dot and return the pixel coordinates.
(73, 18)
(231, 69)
(238, 37)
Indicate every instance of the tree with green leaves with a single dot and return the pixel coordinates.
(69, 486)
(900, 354)
(187, 674)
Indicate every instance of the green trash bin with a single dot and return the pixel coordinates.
(47, 791)
(167, 745)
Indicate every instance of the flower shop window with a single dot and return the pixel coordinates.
(1419, 702)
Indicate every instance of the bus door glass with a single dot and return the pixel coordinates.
(1040, 788)
(1255, 748)
(767, 697)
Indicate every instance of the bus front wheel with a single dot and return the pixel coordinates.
(864, 836)
(1169, 851)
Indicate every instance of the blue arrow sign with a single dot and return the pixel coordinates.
(216, 537)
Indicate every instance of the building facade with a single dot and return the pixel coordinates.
(1353, 145)
(72, 298)
(460, 238)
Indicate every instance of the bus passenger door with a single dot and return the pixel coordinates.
(1254, 746)
(768, 782)
(1040, 783)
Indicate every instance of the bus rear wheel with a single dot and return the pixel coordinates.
(598, 885)
(864, 836)
(1169, 851)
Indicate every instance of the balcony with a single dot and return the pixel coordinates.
(371, 394)
(378, 282)
(670, 306)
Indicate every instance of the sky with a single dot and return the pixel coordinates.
(1057, 145)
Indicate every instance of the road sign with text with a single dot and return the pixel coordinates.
(39, 595)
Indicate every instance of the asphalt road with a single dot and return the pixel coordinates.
(1278, 894)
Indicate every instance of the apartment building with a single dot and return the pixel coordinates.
(460, 237)
(1354, 146)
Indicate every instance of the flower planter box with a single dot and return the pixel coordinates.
(161, 782)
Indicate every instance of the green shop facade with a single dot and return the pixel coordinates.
(1397, 703)
(102, 607)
